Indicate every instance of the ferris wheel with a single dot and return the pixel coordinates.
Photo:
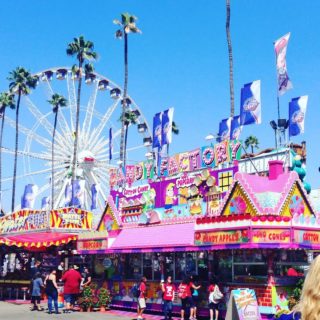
(100, 110)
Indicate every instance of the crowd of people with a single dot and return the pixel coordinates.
(187, 292)
(73, 282)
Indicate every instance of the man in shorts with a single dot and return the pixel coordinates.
(142, 297)
(72, 279)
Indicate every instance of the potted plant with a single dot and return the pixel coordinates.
(86, 300)
(104, 297)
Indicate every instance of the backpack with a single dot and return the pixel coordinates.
(215, 295)
(135, 291)
(182, 293)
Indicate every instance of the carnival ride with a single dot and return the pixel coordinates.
(100, 110)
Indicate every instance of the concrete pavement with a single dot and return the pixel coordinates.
(12, 311)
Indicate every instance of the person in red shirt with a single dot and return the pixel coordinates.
(184, 293)
(168, 290)
(72, 279)
(142, 298)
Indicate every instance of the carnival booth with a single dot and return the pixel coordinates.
(31, 236)
(150, 219)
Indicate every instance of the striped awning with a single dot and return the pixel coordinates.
(37, 240)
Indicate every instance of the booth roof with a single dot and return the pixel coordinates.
(159, 237)
(37, 240)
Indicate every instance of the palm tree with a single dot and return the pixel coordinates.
(127, 24)
(6, 100)
(127, 118)
(21, 83)
(83, 50)
(56, 101)
(252, 142)
(230, 60)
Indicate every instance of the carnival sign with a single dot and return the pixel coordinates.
(71, 218)
(24, 220)
(271, 236)
(92, 245)
(204, 238)
(307, 237)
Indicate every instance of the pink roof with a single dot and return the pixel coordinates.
(155, 236)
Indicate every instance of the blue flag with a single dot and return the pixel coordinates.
(110, 144)
(94, 197)
(45, 203)
(224, 129)
(235, 128)
(167, 117)
(250, 108)
(297, 112)
(29, 196)
(157, 130)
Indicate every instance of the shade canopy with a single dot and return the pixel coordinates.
(37, 240)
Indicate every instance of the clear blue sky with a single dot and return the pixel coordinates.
(181, 59)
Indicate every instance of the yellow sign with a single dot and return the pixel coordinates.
(221, 237)
(270, 236)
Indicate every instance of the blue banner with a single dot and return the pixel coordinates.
(167, 118)
(78, 193)
(45, 203)
(67, 194)
(250, 108)
(94, 192)
(224, 129)
(235, 128)
(29, 196)
(157, 130)
(297, 112)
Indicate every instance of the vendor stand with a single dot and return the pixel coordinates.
(28, 236)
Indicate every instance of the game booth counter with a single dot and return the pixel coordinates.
(28, 236)
(261, 234)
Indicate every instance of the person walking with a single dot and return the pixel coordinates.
(72, 279)
(215, 296)
(52, 291)
(37, 284)
(86, 278)
(194, 286)
(141, 306)
(184, 293)
(168, 290)
(308, 307)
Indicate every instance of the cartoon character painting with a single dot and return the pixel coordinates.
(169, 197)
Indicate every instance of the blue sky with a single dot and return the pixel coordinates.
(181, 59)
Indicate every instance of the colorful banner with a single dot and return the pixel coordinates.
(236, 128)
(203, 238)
(297, 112)
(270, 236)
(280, 47)
(250, 108)
(71, 218)
(29, 196)
(157, 131)
(224, 129)
(24, 220)
(167, 117)
(68, 194)
(307, 237)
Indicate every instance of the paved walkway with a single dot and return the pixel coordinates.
(13, 311)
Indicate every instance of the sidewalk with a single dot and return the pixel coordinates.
(12, 310)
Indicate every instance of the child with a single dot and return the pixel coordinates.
(37, 283)
(168, 290)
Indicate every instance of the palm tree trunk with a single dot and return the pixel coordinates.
(52, 155)
(124, 104)
(75, 146)
(15, 153)
(1, 135)
(251, 148)
(230, 60)
(125, 138)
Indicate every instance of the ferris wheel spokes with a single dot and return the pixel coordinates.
(72, 99)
